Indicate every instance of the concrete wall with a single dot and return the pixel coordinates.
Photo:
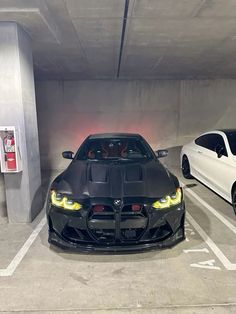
(206, 105)
(3, 210)
(166, 113)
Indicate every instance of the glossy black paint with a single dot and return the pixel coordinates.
(67, 154)
(117, 228)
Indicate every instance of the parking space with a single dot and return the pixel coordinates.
(95, 85)
(188, 277)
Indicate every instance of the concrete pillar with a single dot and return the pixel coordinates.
(18, 108)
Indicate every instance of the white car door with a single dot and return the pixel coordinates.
(199, 161)
(212, 170)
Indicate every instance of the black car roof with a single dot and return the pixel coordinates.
(113, 135)
(227, 131)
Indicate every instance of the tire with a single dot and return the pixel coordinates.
(234, 200)
(186, 168)
(183, 227)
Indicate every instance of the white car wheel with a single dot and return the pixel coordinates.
(234, 200)
(186, 168)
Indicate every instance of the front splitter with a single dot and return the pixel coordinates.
(66, 245)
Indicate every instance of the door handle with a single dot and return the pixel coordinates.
(199, 152)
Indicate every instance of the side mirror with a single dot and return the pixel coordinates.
(219, 151)
(161, 153)
(68, 155)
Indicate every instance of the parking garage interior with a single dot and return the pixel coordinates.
(165, 69)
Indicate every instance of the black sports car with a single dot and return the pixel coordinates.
(115, 196)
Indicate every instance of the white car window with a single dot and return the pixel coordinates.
(211, 142)
(231, 135)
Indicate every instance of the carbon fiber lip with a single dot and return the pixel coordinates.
(54, 239)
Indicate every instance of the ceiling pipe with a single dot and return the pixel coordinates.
(123, 36)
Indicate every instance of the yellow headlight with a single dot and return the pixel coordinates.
(64, 202)
(169, 200)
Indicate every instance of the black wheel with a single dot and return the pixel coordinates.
(183, 227)
(186, 168)
(234, 200)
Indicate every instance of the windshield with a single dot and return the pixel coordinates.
(114, 148)
(232, 141)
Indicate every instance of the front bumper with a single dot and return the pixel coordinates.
(66, 245)
(117, 231)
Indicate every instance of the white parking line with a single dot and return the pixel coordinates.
(224, 260)
(22, 252)
(210, 208)
(210, 264)
(204, 250)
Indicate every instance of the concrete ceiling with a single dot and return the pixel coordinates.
(163, 39)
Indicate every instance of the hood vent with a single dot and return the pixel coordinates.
(134, 174)
(98, 174)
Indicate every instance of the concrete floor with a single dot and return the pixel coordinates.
(192, 277)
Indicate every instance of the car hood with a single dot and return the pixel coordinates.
(85, 179)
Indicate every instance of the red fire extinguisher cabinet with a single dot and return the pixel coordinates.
(10, 157)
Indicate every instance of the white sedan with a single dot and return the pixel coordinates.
(211, 158)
